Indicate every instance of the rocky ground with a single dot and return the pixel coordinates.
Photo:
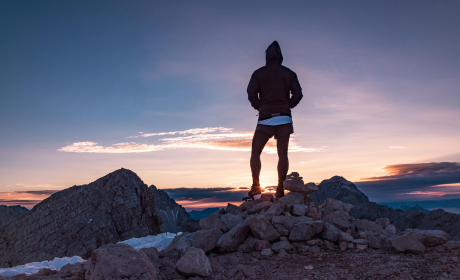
(289, 238)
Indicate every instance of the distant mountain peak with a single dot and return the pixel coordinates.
(339, 188)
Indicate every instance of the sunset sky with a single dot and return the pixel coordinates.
(159, 87)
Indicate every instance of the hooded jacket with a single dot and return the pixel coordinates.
(272, 85)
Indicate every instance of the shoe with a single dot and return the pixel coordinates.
(279, 192)
(255, 190)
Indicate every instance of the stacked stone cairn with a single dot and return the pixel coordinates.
(293, 223)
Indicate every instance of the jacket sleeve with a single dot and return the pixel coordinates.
(253, 91)
(296, 92)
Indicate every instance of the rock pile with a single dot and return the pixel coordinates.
(292, 234)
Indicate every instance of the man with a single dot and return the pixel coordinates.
(269, 92)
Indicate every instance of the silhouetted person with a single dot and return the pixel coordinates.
(273, 90)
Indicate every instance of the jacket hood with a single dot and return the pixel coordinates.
(273, 54)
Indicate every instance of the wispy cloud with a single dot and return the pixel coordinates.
(196, 138)
(396, 147)
(183, 132)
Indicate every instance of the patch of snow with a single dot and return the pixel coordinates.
(32, 268)
(160, 241)
(90, 221)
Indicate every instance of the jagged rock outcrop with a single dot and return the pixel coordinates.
(9, 214)
(77, 220)
(340, 189)
(174, 217)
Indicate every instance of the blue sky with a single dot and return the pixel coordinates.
(380, 80)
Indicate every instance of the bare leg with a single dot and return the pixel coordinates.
(282, 144)
(258, 144)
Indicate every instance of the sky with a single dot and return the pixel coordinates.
(159, 87)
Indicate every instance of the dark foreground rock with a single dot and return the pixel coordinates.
(77, 220)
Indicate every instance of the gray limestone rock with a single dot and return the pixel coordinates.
(366, 225)
(204, 239)
(262, 244)
(251, 242)
(77, 220)
(262, 229)
(285, 245)
(10, 214)
(281, 229)
(213, 221)
(194, 262)
(119, 261)
(292, 198)
(331, 232)
(340, 189)
(287, 222)
(345, 237)
(230, 241)
(267, 252)
(339, 219)
(259, 207)
(231, 220)
(299, 209)
(294, 183)
(275, 209)
(407, 242)
(431, 238)
(305, 231)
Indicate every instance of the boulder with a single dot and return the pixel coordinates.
(229, 241)
(248, 204)
(407, 242)
(259, 207)
(281, 229)
(213, 221)
(292, 198)
(299, 209)
(390, 230)
(177, 247)
(204, 239)
(431, 238)
(251, 242)
(285, 245)
(339, 219)
(287, 222)
(377, 240)
(317, 241)
(262, 229)
(233, 209)
(152, 254)
(194, 262)
(275, 209)
(119, 261)
(343, 246)
(360, 241)
(331, 232)
(383, 222)
(452, 245)
(231, 220)
(345, 237)
(366, 225)
(314, 213)
(305, 231)
(330, 205)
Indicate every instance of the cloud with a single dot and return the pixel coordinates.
(201, 138)
(397, 147)
(188, 131)
(414, 181)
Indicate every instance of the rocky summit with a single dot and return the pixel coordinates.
(289, 238)
(174, 217)
(77, 220)
(340, 189)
